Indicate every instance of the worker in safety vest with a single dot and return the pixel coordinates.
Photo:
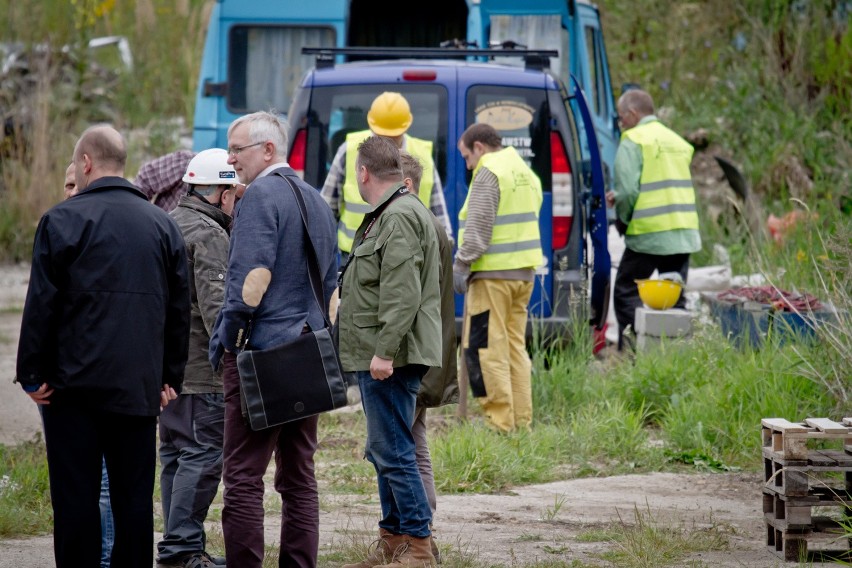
(389, 116)
(654, 202)
(499, 248)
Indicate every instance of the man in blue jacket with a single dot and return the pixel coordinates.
(268, 291)
(103, 347)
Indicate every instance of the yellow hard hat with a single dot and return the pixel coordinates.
(659, 294)
(389, 115)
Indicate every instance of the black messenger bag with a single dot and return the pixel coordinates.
(300, 378)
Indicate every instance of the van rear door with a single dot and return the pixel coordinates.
(596, 84)
(522, 117)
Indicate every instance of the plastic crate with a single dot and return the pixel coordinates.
(751, 323)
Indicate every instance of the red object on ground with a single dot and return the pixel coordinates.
(779, 299)
(780, 226)
(598, 338)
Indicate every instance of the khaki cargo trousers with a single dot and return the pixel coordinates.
(494, 348)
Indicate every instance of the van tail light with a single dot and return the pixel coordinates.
(296, 159)
(563, 191)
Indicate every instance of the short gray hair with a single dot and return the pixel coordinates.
(265, 126)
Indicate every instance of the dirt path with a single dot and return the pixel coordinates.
(548, 522)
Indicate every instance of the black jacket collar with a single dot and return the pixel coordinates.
(112, 182)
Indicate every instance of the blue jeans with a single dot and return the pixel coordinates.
(389, 408)
(107, 528)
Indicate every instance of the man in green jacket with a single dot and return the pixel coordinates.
(390, 334)
(654, 202)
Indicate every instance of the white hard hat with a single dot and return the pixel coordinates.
(210, 167)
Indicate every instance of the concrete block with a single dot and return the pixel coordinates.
(663, 323)
(646, 343)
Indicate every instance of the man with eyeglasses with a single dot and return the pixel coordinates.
(654, 202)
(269, 301)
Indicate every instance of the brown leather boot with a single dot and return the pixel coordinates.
(412, 552)
(435, 551)
(381, 551)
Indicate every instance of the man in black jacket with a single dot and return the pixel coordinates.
(103, 347)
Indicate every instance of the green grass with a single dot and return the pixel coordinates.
(644, 543)
(24, 490)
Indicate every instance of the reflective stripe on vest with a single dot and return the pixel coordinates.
(666, 195)
(515, 238)
(352, 208)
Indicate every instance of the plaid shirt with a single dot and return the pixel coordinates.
(161, 179)
(332, 189)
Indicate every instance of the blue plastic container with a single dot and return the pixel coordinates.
(749, 324)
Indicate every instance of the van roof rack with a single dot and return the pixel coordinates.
(535, 59)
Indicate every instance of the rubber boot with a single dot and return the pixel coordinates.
(381, 551)
(412, 552)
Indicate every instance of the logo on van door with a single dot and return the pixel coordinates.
(505, 115)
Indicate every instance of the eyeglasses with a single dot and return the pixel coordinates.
(235, 151)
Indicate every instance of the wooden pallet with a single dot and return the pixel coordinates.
(796, 513)
(797, 477)
(794, 483)
(793, 544)
(785, 440)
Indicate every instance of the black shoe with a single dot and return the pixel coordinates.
(192, 560)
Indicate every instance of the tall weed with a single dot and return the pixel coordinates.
(33, 168)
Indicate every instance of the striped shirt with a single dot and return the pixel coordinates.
(332, 189)
(479, 226)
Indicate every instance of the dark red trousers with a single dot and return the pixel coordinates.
(247, 454)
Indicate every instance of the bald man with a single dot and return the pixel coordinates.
(103, 345)
(654, 202)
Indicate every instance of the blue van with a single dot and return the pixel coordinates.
(546, 120)
(252, 59)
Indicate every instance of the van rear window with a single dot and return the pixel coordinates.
(265, 64)
(346, 108)
(521, 116)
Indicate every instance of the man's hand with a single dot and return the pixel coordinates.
(461, 274)
(41, 395)
(381, 369)
(610, 198)
(167, 394)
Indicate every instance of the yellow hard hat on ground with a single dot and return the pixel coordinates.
(389, 115)
(659, 294)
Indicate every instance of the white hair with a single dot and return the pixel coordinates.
(265, 127)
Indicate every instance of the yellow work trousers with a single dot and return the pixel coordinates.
(495, 350)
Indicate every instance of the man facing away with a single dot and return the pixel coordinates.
(107, 528)
(440, 385)
(654, 202)
(268, 290)
(103, 346)
(192, 427)
(390, 334)
(390, 117)
(499, 248)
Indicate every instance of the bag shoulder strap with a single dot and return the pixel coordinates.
(313, 261)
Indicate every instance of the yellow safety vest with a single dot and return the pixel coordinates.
(666, 197)
(515, 239)
(352, 208)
